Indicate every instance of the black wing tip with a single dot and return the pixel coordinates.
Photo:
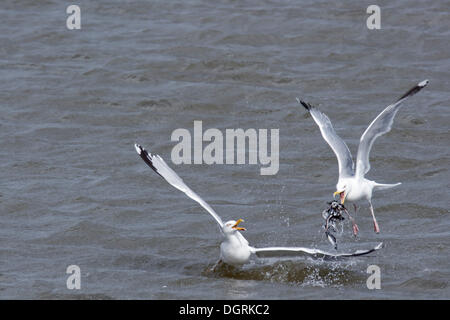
(423, 84)
(305, 104)
(415, 89)
(379, 246)
(142, 152)
(147, 157)
(138, 148)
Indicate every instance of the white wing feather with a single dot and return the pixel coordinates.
(379, 126)
(160, 167)
(338, 145)
(299, 251)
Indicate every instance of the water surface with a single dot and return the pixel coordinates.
(74, 191)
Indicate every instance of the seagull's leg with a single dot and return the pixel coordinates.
(375, 223)
(218, 263)
(354, 225)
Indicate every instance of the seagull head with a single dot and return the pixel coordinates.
(231, 226)
(342, 189)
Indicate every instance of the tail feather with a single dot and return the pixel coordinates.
(384, 186)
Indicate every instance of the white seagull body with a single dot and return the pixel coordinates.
(352, 184)
(235, 249)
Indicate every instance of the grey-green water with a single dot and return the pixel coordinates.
(74, 191)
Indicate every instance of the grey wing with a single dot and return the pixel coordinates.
(160, 167)
(338, 145)
(379, 126)
(300, 251)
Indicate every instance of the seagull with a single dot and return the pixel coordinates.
(235, 249)
(352, 184)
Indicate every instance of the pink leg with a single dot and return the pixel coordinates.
(354, 225)
(375, 223)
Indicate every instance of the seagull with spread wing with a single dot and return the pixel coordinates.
(235, 249)
(352, 184)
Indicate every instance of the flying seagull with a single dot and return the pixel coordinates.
(235, 249)
(352, 185)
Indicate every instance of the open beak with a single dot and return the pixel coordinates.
(236, 225)
(341, 194)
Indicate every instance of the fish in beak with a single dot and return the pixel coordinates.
(236, 225)
(342, 195)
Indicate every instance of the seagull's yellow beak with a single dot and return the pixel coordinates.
(236, 225)
(341, 194)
